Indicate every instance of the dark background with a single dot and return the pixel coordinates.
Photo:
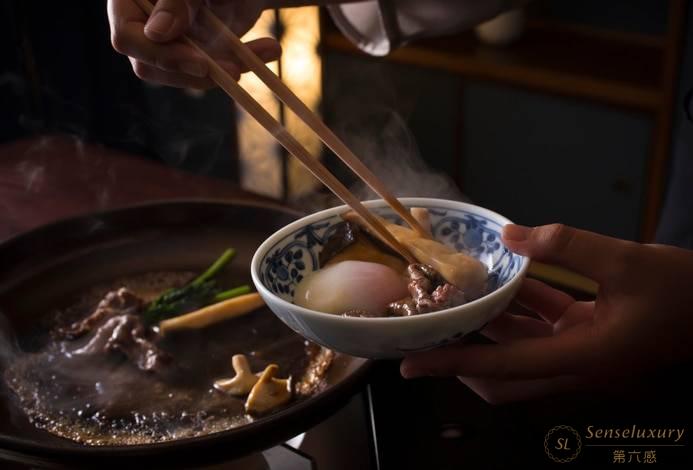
(412, 418)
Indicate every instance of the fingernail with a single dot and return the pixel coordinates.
(161, 23)
(407, 371)
(193, 68)
(516, 233)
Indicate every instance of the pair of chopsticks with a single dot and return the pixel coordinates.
(247, 102)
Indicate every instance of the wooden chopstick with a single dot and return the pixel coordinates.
(222, 78)
(329, 138)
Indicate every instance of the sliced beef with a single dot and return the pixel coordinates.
(403, 308)
(349, 243)
(429, 293)
(117, 302)
(128, 335)
(314, 379)
(446, 296)
(116, 326)
(344, 235)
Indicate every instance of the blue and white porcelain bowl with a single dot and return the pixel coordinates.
(282, 261)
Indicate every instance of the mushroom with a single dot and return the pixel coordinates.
(244, 380)
(269, 392)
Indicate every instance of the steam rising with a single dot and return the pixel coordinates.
(380, 137)
(390, 151)
(102, 399)
(98, 401)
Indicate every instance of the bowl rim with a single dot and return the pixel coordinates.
(425, 202)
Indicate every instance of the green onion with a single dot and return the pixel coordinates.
(216, 267)
(231, 293)
(200, 292)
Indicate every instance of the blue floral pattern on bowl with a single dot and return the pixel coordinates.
(287, 262)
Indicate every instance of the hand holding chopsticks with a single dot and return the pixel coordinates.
(240, 96)
(152, 41)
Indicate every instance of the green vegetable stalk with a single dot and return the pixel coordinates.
(231, 293)
(217, 266)
(202, 291)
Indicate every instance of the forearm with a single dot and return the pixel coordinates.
(302, 3)
(378, 27)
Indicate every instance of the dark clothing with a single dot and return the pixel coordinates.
(59, 74)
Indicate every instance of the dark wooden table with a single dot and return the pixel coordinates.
(53, 177)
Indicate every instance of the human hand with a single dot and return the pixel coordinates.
(642, 319)
(156, 51)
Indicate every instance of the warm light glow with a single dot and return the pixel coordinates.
(260, 155)
(302, 72)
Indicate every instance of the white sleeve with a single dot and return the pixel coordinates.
(379, 26)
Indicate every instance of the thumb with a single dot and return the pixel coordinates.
(586, 253)
(170, 19)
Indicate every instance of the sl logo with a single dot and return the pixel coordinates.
(562, 444)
